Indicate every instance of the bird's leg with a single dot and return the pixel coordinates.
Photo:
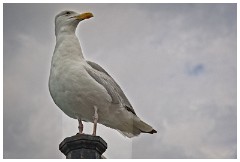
(80, 126)
(95, 119)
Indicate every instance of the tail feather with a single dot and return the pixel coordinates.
(144, 127)
(151, 132)
(138, 127)
(127, 134)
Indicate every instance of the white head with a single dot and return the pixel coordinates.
(67, 21)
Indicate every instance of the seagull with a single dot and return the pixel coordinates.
(82, 89)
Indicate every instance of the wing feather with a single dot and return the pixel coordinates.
(113, 89)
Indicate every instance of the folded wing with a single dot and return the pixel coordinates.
(113, 89)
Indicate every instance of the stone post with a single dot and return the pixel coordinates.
(82, 146)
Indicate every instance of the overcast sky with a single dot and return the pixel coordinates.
(177, 64)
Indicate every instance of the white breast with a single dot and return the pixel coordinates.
(72, 88)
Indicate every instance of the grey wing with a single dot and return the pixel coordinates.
(113, 89)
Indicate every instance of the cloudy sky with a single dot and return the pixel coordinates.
(177, 63)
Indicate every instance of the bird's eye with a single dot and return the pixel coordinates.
(68, 13)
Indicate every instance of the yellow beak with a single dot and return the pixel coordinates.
(83, 16)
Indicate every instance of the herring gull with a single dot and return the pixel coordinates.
(82, 89)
